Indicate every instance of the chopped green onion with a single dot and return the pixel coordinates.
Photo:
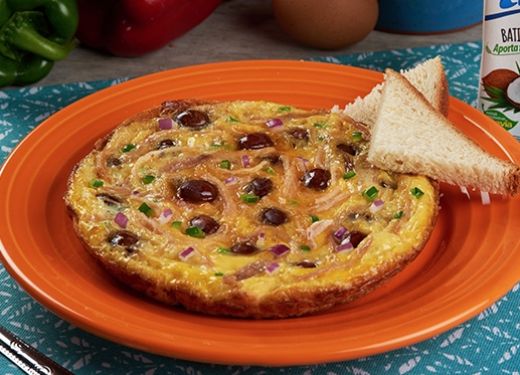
(96, 183)
(177, 224)
(195, 232)
(398, 214)
(223, 250)
(348, 175)
(314, 218)
(371, 193)
(284, 108)
(293, 202)
(321, 138)
(219, 273)
(305, 248)
(249, 198)
(269, 170)
(320, 125)
(357, 136)
(217, 144)
(127, 148)
(148, 179)
(145, 209)
(225, 164)
(232, 119)
(416, 192)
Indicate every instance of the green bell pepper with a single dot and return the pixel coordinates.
(34, 34)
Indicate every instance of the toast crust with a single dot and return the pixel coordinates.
(443, 92)
(365, 109)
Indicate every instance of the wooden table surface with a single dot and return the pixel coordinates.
(237, 30)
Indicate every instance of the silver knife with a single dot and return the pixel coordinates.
(26, 357)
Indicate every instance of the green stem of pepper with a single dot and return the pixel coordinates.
(61, 14)
(20, 32)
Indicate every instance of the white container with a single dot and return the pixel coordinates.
(499, 86)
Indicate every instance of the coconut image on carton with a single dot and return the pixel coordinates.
(502, 102)
(513, 92)
(503, 83)
(499, 86)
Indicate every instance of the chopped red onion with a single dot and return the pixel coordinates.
(165, 123)
(245, 161)
(279, 250)
(340, 233)
(121, 219)
(485, 198)
(302, 163)
(271, 267)
(165, 215)
(274, 123)
(376, 205)
(187, 253)
(345, 245)
(168, 104)
(230, 180)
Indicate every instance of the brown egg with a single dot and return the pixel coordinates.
(326, 24)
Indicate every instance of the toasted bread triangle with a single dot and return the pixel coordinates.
(428, 77)
(410, 136)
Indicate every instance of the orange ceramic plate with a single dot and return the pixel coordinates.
(471, 260)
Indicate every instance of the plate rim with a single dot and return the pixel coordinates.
(70, 316)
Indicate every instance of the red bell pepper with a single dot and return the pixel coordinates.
(136, 27)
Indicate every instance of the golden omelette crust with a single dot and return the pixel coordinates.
(221, 283)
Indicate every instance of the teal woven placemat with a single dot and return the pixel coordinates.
(489, 343)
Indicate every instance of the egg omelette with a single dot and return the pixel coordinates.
(248, 209)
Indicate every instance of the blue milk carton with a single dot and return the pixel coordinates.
(499, 88)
